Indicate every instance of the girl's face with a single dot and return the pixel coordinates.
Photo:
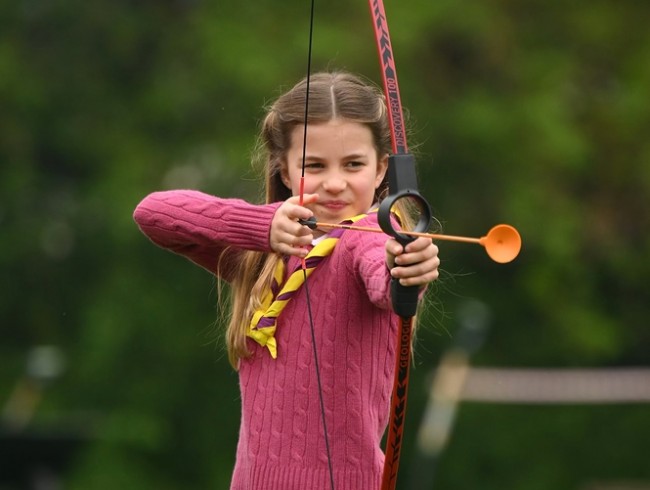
(341, 166)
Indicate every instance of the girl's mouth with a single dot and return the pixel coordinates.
(334, 205)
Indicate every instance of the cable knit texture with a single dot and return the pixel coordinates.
(281, 442)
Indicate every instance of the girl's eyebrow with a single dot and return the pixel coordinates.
(351, 156)
(309, 157)
(356, 156)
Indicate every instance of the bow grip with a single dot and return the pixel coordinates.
(403, 185)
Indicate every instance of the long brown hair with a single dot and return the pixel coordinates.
(331, 95)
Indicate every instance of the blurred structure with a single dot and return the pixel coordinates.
(33, 457)
(556, 386)
(446, 392)
(44, 365)
(455, 381)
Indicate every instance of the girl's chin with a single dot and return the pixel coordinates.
(330, 217)
(334, 215)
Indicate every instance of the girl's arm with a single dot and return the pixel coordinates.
(377, 258)
(201, 227)
(366, 255)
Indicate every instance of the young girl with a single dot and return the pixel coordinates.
(256, 248)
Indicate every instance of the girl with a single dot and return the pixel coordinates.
(256, 248)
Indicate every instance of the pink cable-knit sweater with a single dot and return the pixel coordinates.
(281, 444)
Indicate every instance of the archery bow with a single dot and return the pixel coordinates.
(502, 242)
(402, 180)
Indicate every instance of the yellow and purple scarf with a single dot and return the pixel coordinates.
(264, 322)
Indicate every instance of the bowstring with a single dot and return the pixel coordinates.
(304, 263)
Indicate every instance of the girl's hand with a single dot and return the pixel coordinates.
(288, 237)
(414, 265)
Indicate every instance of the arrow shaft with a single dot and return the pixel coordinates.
(433, 236)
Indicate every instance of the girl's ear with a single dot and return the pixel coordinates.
(382, 167)
(284, 175)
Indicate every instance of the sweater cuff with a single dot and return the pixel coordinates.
(249, 225)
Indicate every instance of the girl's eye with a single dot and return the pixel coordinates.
(355, 164)
(313, 165)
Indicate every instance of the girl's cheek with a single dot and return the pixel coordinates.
(311, 186)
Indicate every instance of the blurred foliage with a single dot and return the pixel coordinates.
(533, 113)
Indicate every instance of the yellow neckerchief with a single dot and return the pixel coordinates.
(264, 322)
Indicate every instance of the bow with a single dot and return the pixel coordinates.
(502, 243)
(402, 181)
(403, 184)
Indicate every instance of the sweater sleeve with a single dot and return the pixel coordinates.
(201, 227)
(367, 256)
(367, 253)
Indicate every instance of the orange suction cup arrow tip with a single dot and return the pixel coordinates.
(502, 243)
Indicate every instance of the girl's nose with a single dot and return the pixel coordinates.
(334, 184)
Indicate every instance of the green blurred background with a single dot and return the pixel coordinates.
(530, 112)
